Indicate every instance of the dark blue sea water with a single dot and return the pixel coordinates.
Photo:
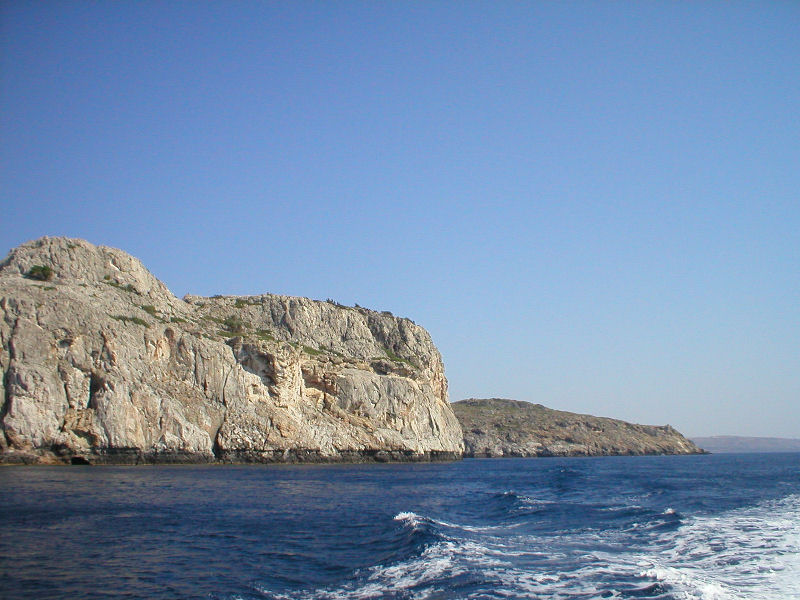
(721, 526)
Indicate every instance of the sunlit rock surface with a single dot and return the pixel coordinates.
(100, 362)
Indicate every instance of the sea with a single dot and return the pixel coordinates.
(721, 526)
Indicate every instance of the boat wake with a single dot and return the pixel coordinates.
(749, 553)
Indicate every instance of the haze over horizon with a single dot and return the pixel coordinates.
(592, 206)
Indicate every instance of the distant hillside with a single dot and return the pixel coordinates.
(498, 427)
(733, 443)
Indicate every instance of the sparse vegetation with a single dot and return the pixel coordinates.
(394, 358)
(234, 325)
(242, 302)
(177, 320)
(149, 309)
(128, 287)
(311, 351)
(125, 319)
(40, 273)
(265, 335)
(344, 306)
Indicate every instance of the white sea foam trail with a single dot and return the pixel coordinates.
(751, 553)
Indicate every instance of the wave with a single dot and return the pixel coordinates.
(436, 561)
(749, 553)
(509, 506)
(417, 522)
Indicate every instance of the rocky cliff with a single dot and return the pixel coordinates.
(101, 363)
(497, 427)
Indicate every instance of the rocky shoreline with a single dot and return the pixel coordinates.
(102, 364)
(133, 456)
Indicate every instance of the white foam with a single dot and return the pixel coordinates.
(406, 516)
(414, 520)
(691, 586)
(751, 553)
(411, 519)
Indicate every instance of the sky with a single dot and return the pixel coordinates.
(594, 206)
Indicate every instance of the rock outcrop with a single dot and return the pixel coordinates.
(101, 363)
(496, 427)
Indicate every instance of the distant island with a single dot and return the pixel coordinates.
(498, 427)
(733, 443)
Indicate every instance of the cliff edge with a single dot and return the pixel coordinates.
(101, 363)
(498, 427)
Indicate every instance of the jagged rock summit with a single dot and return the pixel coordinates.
(101, 363)
(498, 427)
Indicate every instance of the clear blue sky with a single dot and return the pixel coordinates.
(591, 205)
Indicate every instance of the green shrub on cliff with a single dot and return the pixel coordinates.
(128, 287)
(126, 319)
(234, 325)
(40, 272)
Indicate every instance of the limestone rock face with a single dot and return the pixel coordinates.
(100, 362)
(498, 427)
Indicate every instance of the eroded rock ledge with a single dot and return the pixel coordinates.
(498, 427)
(101, 363)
